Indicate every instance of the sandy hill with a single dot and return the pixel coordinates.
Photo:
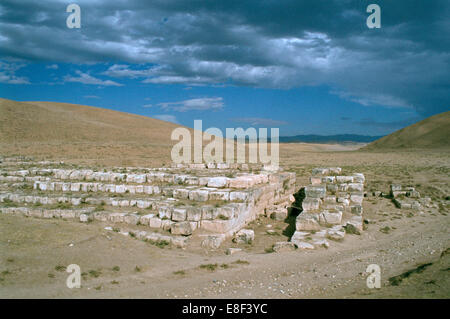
(431, 133)
(70, 131)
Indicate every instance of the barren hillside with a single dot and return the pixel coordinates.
(432, 132)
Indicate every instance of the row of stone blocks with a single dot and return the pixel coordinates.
(191, 192)
(84, 215)
(242, 181)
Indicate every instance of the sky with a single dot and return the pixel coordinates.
(306, 67)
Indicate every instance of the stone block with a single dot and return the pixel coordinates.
(198, 195)
(330, 218)
(244, 236)
(212, 241)
(193, 214)
(283, 246)
(217, 181)
(311, 204)
(181, 228)
(344, 179)
(307, 222)
(315, 191)
(179, 214)
(155, 222)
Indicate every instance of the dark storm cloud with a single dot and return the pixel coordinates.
(269, 44)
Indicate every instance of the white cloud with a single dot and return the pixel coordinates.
(200, 104)
(147, 105)
(52, 66)
(8, 73)
(85, 78)
(257, 121)
(166, 117)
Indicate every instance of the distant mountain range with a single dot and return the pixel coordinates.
(341, 138)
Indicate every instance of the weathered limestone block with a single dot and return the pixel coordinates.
(328, 179)
(145, 220)
(235, 196)
(179, 241)
(329, 199)
(311, 204)
(357, 209)
(355, 187)
(244, 236)
(232, 251)
(124, 203)
(320, 243)
(212, 241)
(84, 218)
(344, 179)
(181, 228)
(357, 198)
(117, 217)
(131, 219)
(199, 195)
(219, 195)
(413, 194)
(179, 214)
(336, 233)
(181, 193)
(332, 188)
(343, 187)
(143, 204)
(396, 187)
(307, 222)
(299, 236)
(320, 171)
(283, 246)
(217, 225)
(155, 222)
(354, 225)
(166, 224)
(359, 178)
(193, 214)
(165, 212)
(315, 191)
(330, 218)
(220, 181)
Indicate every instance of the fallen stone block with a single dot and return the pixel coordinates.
(283, 246)
(244, 236)
(212, 241)
(232, 251)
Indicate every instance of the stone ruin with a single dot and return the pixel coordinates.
(213, 201)
(330, 207)
(408, 198)
(172, 205)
